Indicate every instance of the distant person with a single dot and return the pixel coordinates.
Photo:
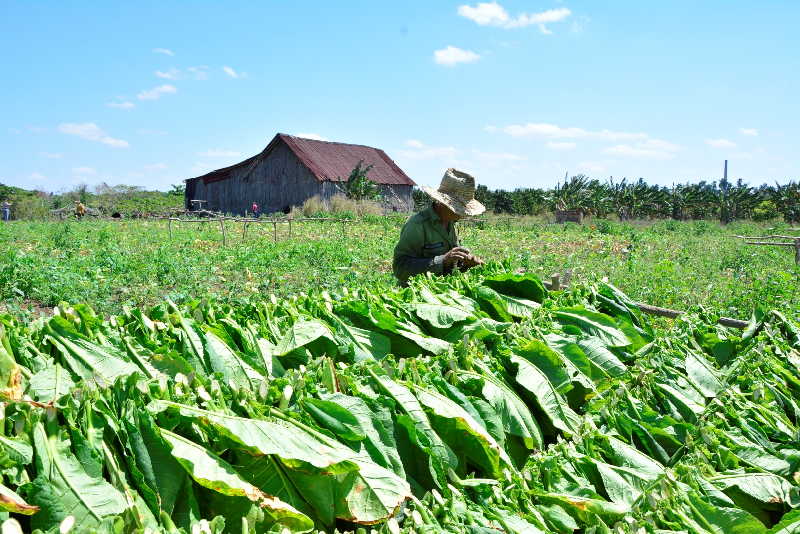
(428, 240)
(256, 210)
(6, 209)
(80, 209)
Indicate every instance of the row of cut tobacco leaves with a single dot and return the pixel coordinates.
(476, 403)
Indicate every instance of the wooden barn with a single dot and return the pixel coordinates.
(292, 169)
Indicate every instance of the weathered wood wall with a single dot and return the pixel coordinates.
(277, 183)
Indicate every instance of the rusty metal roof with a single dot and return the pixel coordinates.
(327, 161)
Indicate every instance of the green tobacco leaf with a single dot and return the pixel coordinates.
(50, 384)
(440, 315)
(226, 362)
(440, 456)
(376, 424)
(517, 419)
(594, 324)
(335, 418)
(547, 361)
(93, 363)
(764, 487)
(62, 487)
(10, 372)
(15, 451)
(702, 374)
(463, 433)
(591, 357)
(212, 472)
(328, 472)
(789, 524)
(11, 502)
(304, 333)
(726, 520)
(525, 286)
(504, 307)
(552, 404)
(367, 344)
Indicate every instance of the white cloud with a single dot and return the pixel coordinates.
(219, 153)
(83, 171)
(91, 132)
(451, 56)
(51, 155)
(553, 131)
(649, 149)
(200, 72)
(493, 14)
(156, 167)
(748, 131)
(121, 104)
(591, 166)
(560, 145)
(313, 136)
(165, 51)
(496, 157)
(156, 92)
(232, 73)
(418, 150)
(720, 143)
(171, 74)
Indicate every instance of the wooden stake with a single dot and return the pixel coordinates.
(275, 231)
(797, 251)
(555, 282)
(169, 225)
(222, 227)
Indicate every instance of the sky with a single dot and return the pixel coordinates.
(518, 93)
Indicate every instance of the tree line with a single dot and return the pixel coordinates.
(721, 200)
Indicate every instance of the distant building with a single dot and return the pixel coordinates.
(292, 169)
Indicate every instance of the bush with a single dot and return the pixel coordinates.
(313, 207)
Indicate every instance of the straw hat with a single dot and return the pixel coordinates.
(457, 192)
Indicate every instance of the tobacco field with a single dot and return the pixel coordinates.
(477, 403)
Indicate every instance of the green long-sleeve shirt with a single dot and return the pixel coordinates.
(422, 245)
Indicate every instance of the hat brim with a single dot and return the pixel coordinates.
(470, 209)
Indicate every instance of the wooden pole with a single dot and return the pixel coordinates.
(169, 225)
(290, 228)
(222, 227)
(797, 251)
(244, 231)
(555, 282)
(275, 231)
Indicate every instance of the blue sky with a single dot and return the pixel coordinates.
(516, 92)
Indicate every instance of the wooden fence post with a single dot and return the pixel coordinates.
(169, 225)
(275, 231)
(555, 282)
(797, 251)
(290, 228)
(222, 227)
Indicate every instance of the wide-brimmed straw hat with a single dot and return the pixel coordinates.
(457, 192)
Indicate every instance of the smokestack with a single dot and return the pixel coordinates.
(725, 176)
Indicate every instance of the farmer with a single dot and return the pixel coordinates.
(256, 211)
(428, 241)
(6, 209)
(80, 209)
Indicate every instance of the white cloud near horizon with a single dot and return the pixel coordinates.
(165, 51)
(84, 171)
(312, 136)
(452, 56)
(219, 153)
(748, 131)
(553, 131)
(121, 104)
(156, 92)
(417, 150)
(171, 74)
(199, 72)
(91, 132)
(560, 145)
(720, 143)
(493, 14)
(230, 71)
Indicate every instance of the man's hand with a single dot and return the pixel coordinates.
(461, 257)
(455, 255)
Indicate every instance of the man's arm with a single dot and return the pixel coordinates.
(407, 255)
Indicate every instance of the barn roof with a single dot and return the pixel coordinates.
(327, 161)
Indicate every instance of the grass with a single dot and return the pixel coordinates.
(134, 262)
